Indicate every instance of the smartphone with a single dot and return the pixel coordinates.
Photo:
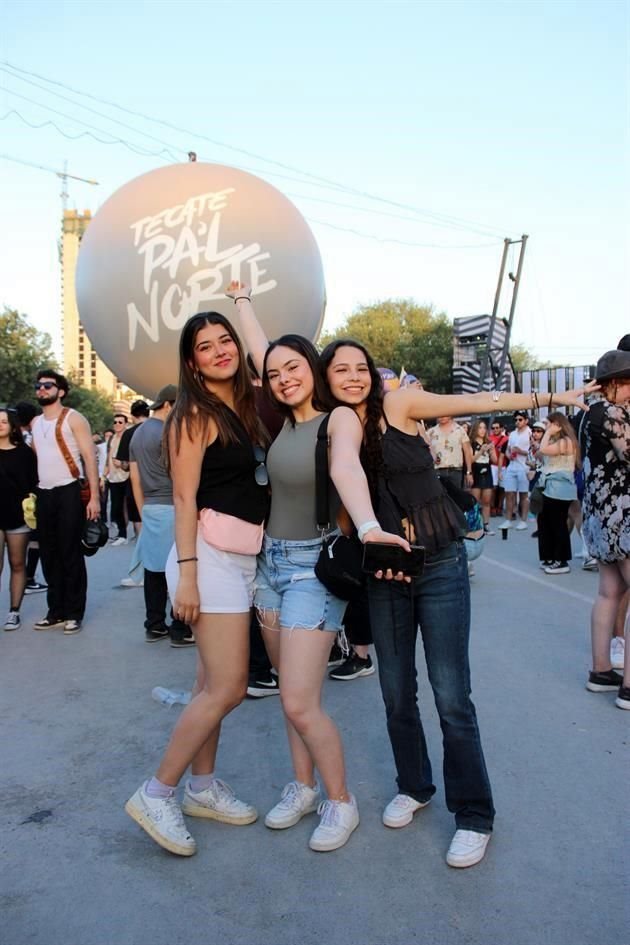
(379, 556)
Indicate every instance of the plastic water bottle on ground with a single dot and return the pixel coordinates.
(170, 696)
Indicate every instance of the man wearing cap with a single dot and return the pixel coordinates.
(153, 495)
(62, 440)
(515, 476)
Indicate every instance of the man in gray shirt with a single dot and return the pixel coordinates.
(153, 494)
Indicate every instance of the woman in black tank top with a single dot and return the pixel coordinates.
(376, 450)
(211, 436)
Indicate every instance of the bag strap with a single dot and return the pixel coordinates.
(322, 498)
(61, 443)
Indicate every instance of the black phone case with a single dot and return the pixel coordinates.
(379, 556)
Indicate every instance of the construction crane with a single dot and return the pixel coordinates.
(63, 175)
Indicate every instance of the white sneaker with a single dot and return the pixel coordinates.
(162, 819)
(129, 582)
(467, 848)
(338, 820)
(296, 800)
(117, 542)
(13, 621)
(617, 651)
(399, 812)
(218, 802)
(506, 523)
(590, 564)
(521, 526)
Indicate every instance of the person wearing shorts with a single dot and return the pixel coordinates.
(213, 436)
(299, 617)
(18, 478)
(514, 478)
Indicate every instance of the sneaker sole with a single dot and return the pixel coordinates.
(180, 645)
(159, 838)
(198, 810)
(71, 633)
(362, 672)
(295, 819)
(320, 847)
(34, 590)
(51, 626)
(403, 823)
(155, 639)
(601, 687)
(622, 703)
(557, 571)
(255, 693)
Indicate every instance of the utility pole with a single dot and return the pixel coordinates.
(496, 359)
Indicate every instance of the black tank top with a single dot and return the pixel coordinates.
(408, 487)
(227, 483)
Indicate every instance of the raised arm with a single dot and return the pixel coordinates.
(415, 404)
(253, 334)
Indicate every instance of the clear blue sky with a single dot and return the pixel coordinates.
(505, 117)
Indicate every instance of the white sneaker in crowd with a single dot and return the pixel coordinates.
(467, 848)
(338, 820)
(117, 542)
(129, 582)
(506, 523)
(400, 810)
(218, 802)
(617, 652)
(296, 800)
(162, 819)
(521, 526)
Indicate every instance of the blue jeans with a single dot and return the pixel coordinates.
(439, 601)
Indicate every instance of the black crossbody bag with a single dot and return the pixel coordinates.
(339, 566)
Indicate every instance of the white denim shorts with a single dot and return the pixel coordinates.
(225, 579)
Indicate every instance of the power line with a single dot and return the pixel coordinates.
(457, 223)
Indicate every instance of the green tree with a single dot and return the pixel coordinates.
(524, 360)
(92, 402)
(400, 333)
(23, 350)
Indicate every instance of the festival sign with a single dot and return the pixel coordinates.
(164, 247)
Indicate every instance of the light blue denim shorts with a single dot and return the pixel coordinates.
(286, 583)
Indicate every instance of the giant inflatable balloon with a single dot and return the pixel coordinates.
(164, 246)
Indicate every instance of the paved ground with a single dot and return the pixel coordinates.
(80, 730)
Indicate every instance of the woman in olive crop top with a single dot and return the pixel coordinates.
(375, 449)
(213, 436)
(298, 615)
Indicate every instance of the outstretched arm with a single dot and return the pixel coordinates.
(421, 405)
(254, 336)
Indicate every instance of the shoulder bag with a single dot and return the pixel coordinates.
(67, 455)
(339, 566)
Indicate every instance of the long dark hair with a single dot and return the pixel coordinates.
(474, 434)
(196, 405)
(373, 404)
(566, 433)
(302, 346)
(15, 434)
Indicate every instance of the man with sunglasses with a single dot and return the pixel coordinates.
(153, 495)
(60, 511)
(515, 476)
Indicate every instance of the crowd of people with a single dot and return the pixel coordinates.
(217, 478)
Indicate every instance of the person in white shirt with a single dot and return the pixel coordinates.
(514, 478)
